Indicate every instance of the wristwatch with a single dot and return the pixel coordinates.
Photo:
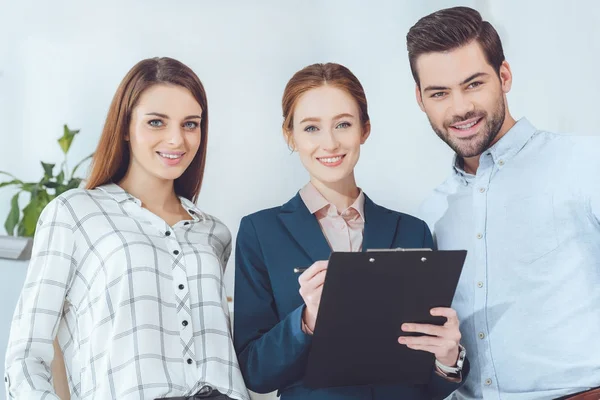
(453, 371)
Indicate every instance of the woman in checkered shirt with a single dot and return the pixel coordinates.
(127, 273)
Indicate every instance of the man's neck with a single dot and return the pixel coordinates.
(471, 164)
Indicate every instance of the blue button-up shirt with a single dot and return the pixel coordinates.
(529, 295)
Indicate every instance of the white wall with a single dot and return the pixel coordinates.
(60, 62)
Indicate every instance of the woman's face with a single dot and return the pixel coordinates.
(328, 133)
(164, 132)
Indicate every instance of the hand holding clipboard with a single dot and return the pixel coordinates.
(441, 341)
(366, 299)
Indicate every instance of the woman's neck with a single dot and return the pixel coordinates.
(155, 194)
(341, 194)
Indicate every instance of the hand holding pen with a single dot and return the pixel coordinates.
(311, 286)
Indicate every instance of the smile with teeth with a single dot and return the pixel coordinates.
(170, 155)
(464, 127)
(330, 160)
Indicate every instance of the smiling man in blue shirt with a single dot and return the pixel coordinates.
(525, 204)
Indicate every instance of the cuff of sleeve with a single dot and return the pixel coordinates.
(297, 325)
(450, 378)
(305, 327)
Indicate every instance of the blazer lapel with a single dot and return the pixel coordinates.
(380, 226)
(305, 229)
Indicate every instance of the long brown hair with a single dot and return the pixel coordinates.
(314, 76)
(449, 29)
(112, 155)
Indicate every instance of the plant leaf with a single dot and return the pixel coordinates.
(51, 185)
(29, 187)
(74, 183)
(67, 138)
(20, 230)
(60, 189)
(60, 177)
(31, 213)
(13, 216)
(48, 169)
(6, 173)
(79, 163)
(13, 182)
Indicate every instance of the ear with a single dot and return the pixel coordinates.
(289, 139)
(366, 132)
(505, 77)
(419, 98)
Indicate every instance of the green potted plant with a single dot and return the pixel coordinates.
(23, 223)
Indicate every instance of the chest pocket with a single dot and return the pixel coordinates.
(531, 232)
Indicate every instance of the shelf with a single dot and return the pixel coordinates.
(15, 248)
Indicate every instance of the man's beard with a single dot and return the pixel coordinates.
(480, 142)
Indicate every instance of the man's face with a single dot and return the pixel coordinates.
(463, 97)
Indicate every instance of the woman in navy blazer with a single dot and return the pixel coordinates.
(326, 122)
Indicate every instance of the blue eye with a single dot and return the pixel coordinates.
(310, 128)
(343, 125)
(191, 125)
(155, 123)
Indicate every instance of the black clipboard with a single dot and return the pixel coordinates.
(366, 298)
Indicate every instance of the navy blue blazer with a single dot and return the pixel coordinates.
(272, 348)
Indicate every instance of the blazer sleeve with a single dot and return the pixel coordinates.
(427, 237)
(272, 353)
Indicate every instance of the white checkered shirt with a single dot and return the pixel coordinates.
(139, 307)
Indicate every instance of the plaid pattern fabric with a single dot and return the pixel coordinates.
(139, 307)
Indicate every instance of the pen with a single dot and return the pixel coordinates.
(299, 270)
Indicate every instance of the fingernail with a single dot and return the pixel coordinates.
(405, 327)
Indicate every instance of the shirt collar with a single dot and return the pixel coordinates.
(118, 193)
(315, 201)
(505, 149)
(120, 196)
(194, 211)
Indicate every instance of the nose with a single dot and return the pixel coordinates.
(330, 141)
(461, 104)
(175, 136)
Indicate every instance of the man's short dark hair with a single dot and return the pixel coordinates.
(449, 29)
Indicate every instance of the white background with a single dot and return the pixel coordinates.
(61, 62)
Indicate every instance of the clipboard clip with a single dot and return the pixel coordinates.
(398, 249)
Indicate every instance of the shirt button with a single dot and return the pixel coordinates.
(481, 335)
(488, 382)
(168, 233)
(501, 162)
(481, 190)
(181, 287)
(184, 323)
(189, 361)
(479, 236)
(479, 284)
(175, 252)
